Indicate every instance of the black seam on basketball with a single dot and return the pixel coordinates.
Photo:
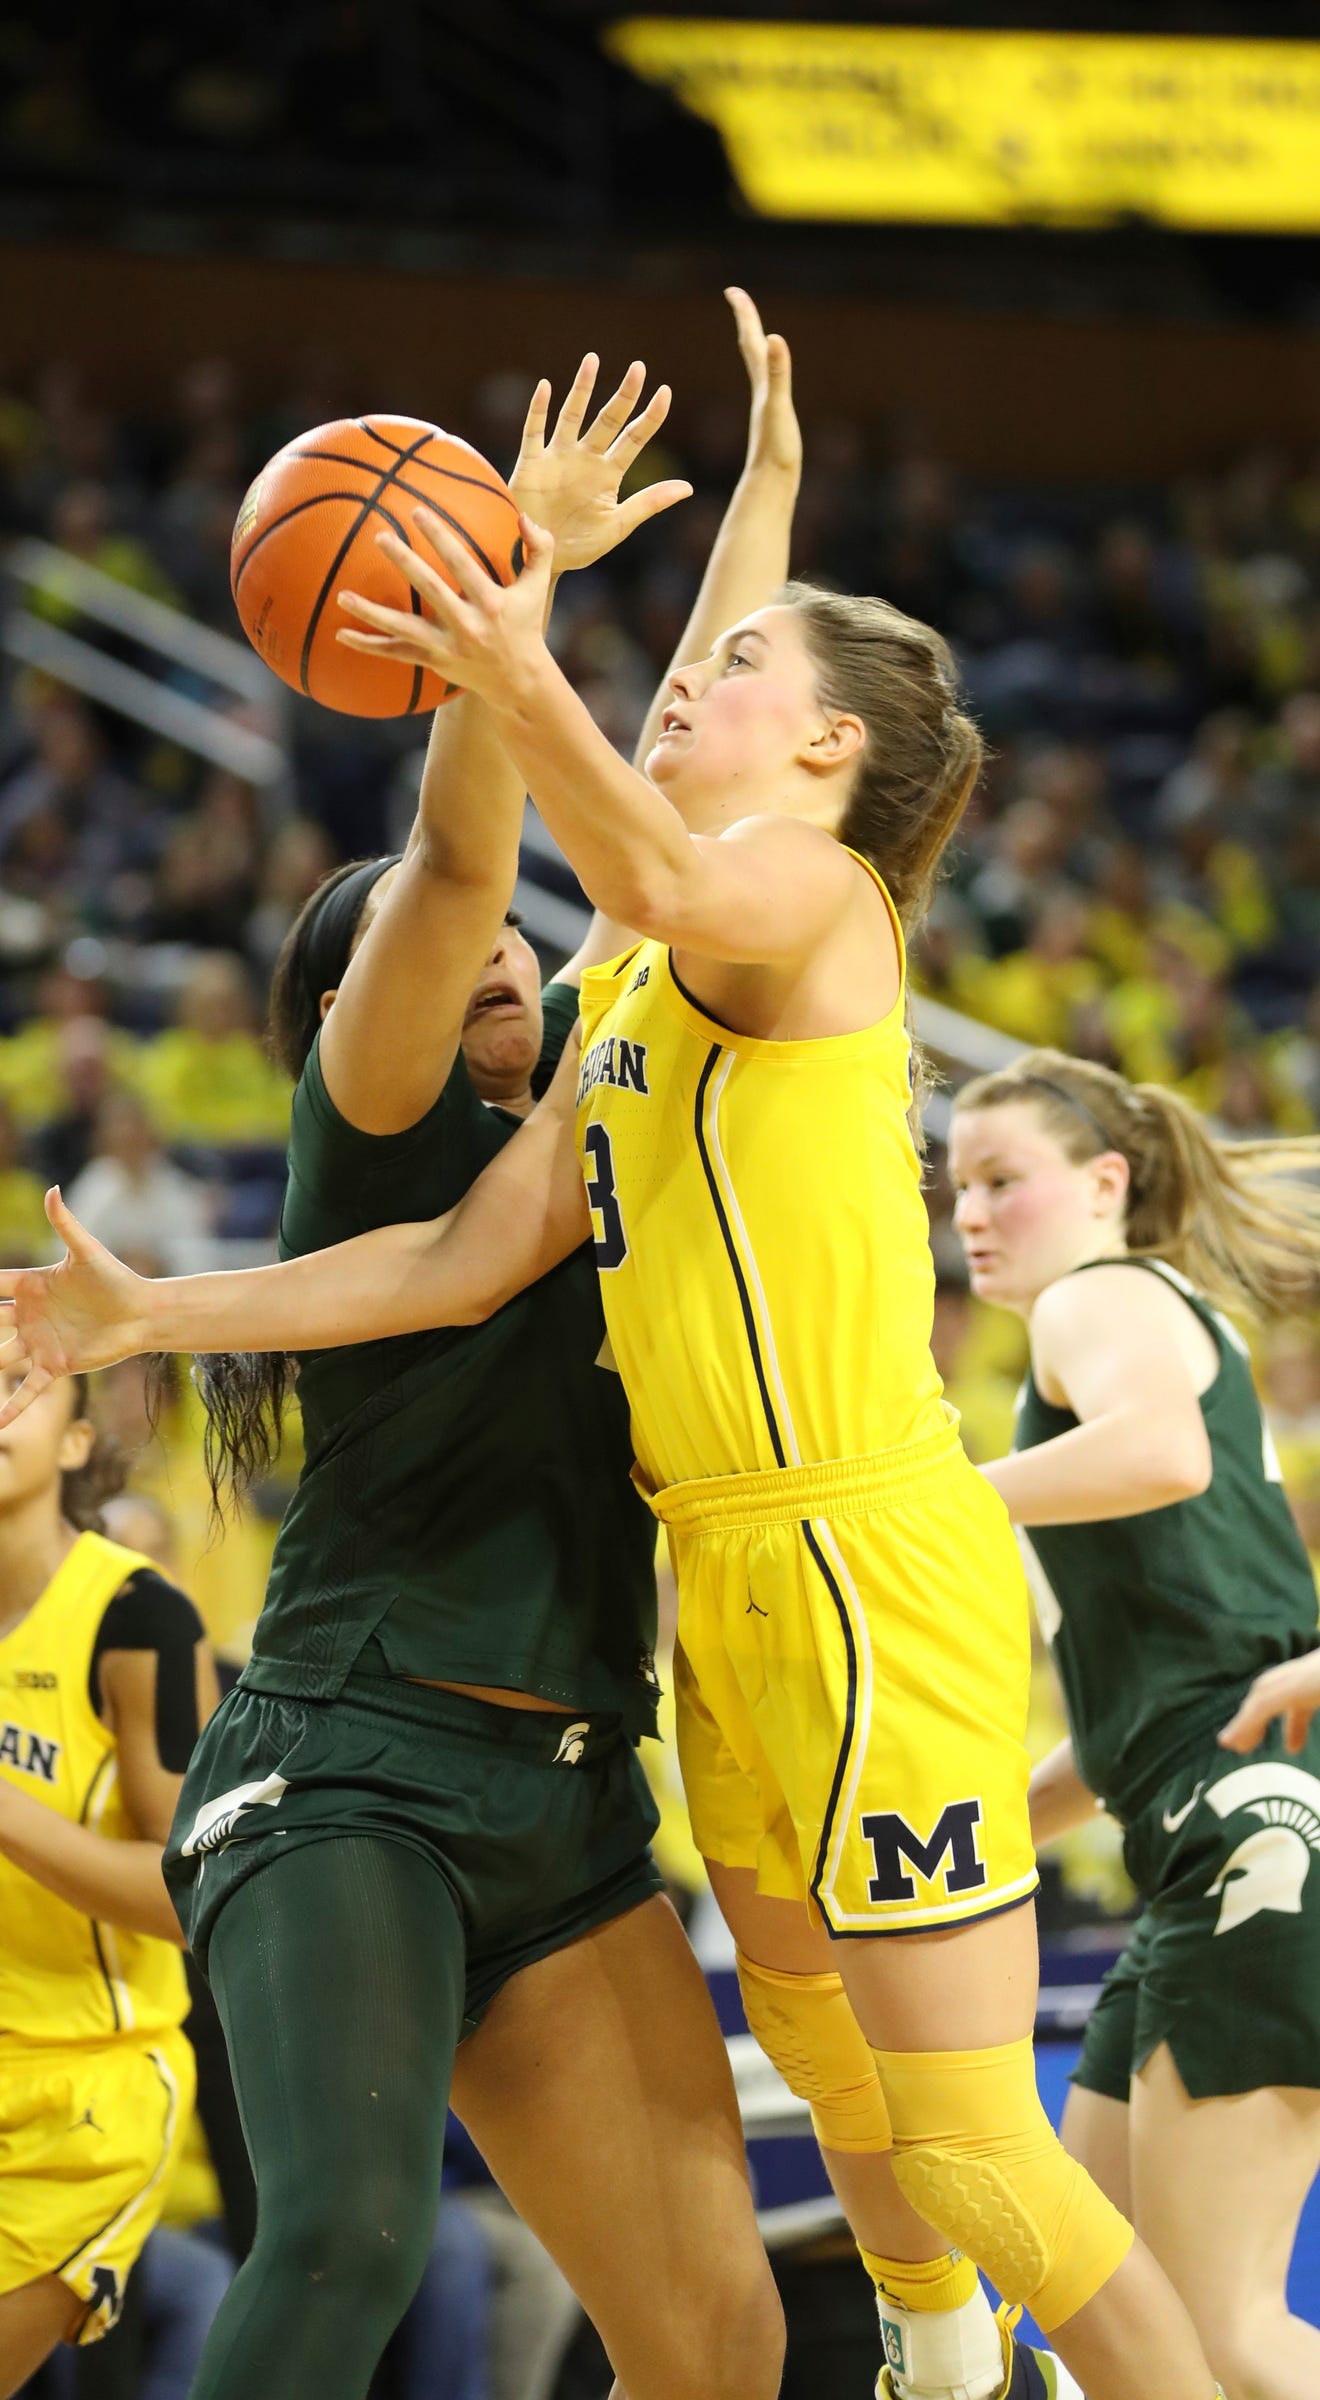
(390, 519)
(478, 482)
(372, 436)
(327, 580)
(297, 510)
(334, 459)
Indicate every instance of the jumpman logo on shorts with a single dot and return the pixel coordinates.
(86, 2119)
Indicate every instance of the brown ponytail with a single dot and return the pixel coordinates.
(1241, 1220)
(922, 756)
(923, 753)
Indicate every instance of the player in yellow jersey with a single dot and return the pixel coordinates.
(104, 1676)
(853, 1618)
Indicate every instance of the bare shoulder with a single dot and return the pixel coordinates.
(1118, 1312)
(1117, 1292)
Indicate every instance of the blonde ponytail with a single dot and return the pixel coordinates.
(1241, 1220)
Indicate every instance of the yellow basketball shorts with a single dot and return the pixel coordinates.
(88, 2137)
(851, 1685)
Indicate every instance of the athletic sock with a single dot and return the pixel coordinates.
(937, 2328)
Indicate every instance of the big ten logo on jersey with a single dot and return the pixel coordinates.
(29, 1753)
(642, 976)
(613, 1060)
(950, 1853)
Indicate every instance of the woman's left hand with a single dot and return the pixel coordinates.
(484, 636)
(571, 482)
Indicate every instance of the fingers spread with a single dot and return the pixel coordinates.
(462, 569)
(575, 406)
(635, 437)
(615, 412)
(538, 409)
(648, 503)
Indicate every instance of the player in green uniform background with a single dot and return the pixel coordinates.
(1169, 1576)
(421, 1815)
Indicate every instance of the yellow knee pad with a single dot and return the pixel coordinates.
(806, 2029)
(976, 2155)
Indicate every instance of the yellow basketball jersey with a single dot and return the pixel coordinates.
(63, 1977)
(760, 1230)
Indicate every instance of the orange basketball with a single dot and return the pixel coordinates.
(308, 528)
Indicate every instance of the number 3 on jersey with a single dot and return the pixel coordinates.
(610, 1242)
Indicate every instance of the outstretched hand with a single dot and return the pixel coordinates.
(87, 1312)
(475, 632)
(570, 483)
(774, 437)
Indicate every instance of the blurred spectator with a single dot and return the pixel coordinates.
(208, 1077)
(69, 822)
(132, 1197)
(84, 1067)
(25, 1236)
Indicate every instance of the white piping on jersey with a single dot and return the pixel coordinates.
(864, 1689)
(862, 1721)
(753, 1272)
(109, 1946)
(102, 2239)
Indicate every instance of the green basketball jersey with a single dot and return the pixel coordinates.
(466, 1496)
(1159, 1622)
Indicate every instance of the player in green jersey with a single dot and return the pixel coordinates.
(1169, 1576)
(421, 1815)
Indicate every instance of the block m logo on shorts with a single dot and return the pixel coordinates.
(951, 1849)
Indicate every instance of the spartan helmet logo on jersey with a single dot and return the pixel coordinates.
(1269, 1869)
(572, 1743)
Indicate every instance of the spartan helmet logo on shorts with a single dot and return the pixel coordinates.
(572, 1743)
(1269, 1869)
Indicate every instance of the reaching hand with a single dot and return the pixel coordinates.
(570, 484)
(483, 635)
(774, 437)
(87, 1312)
(1290, 1691)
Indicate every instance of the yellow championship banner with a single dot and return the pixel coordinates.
(882, 122)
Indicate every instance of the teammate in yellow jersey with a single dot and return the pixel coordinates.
(852, 1615)
(104, 1676)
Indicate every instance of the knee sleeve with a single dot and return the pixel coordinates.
(807, 2030)
(976, 2155)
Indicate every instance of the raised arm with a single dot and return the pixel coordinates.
(750, 558)
(392, 1036)
(524, 1214)
(748, 563)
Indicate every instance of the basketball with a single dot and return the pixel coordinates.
(307, 529)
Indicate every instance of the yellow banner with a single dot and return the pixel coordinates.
(874, 122)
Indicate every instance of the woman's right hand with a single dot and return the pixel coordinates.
(87, 1312)
(774, 437)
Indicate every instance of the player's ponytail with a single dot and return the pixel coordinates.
(922, 755)
(1241, 1220)
(245, 1394)
(84, 1490)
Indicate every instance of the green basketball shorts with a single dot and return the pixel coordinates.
(539, 1824)
(1224, 1962)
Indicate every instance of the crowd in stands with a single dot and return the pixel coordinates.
(1138, 879)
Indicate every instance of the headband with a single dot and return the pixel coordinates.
(329, 943)
(1059, 1091)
